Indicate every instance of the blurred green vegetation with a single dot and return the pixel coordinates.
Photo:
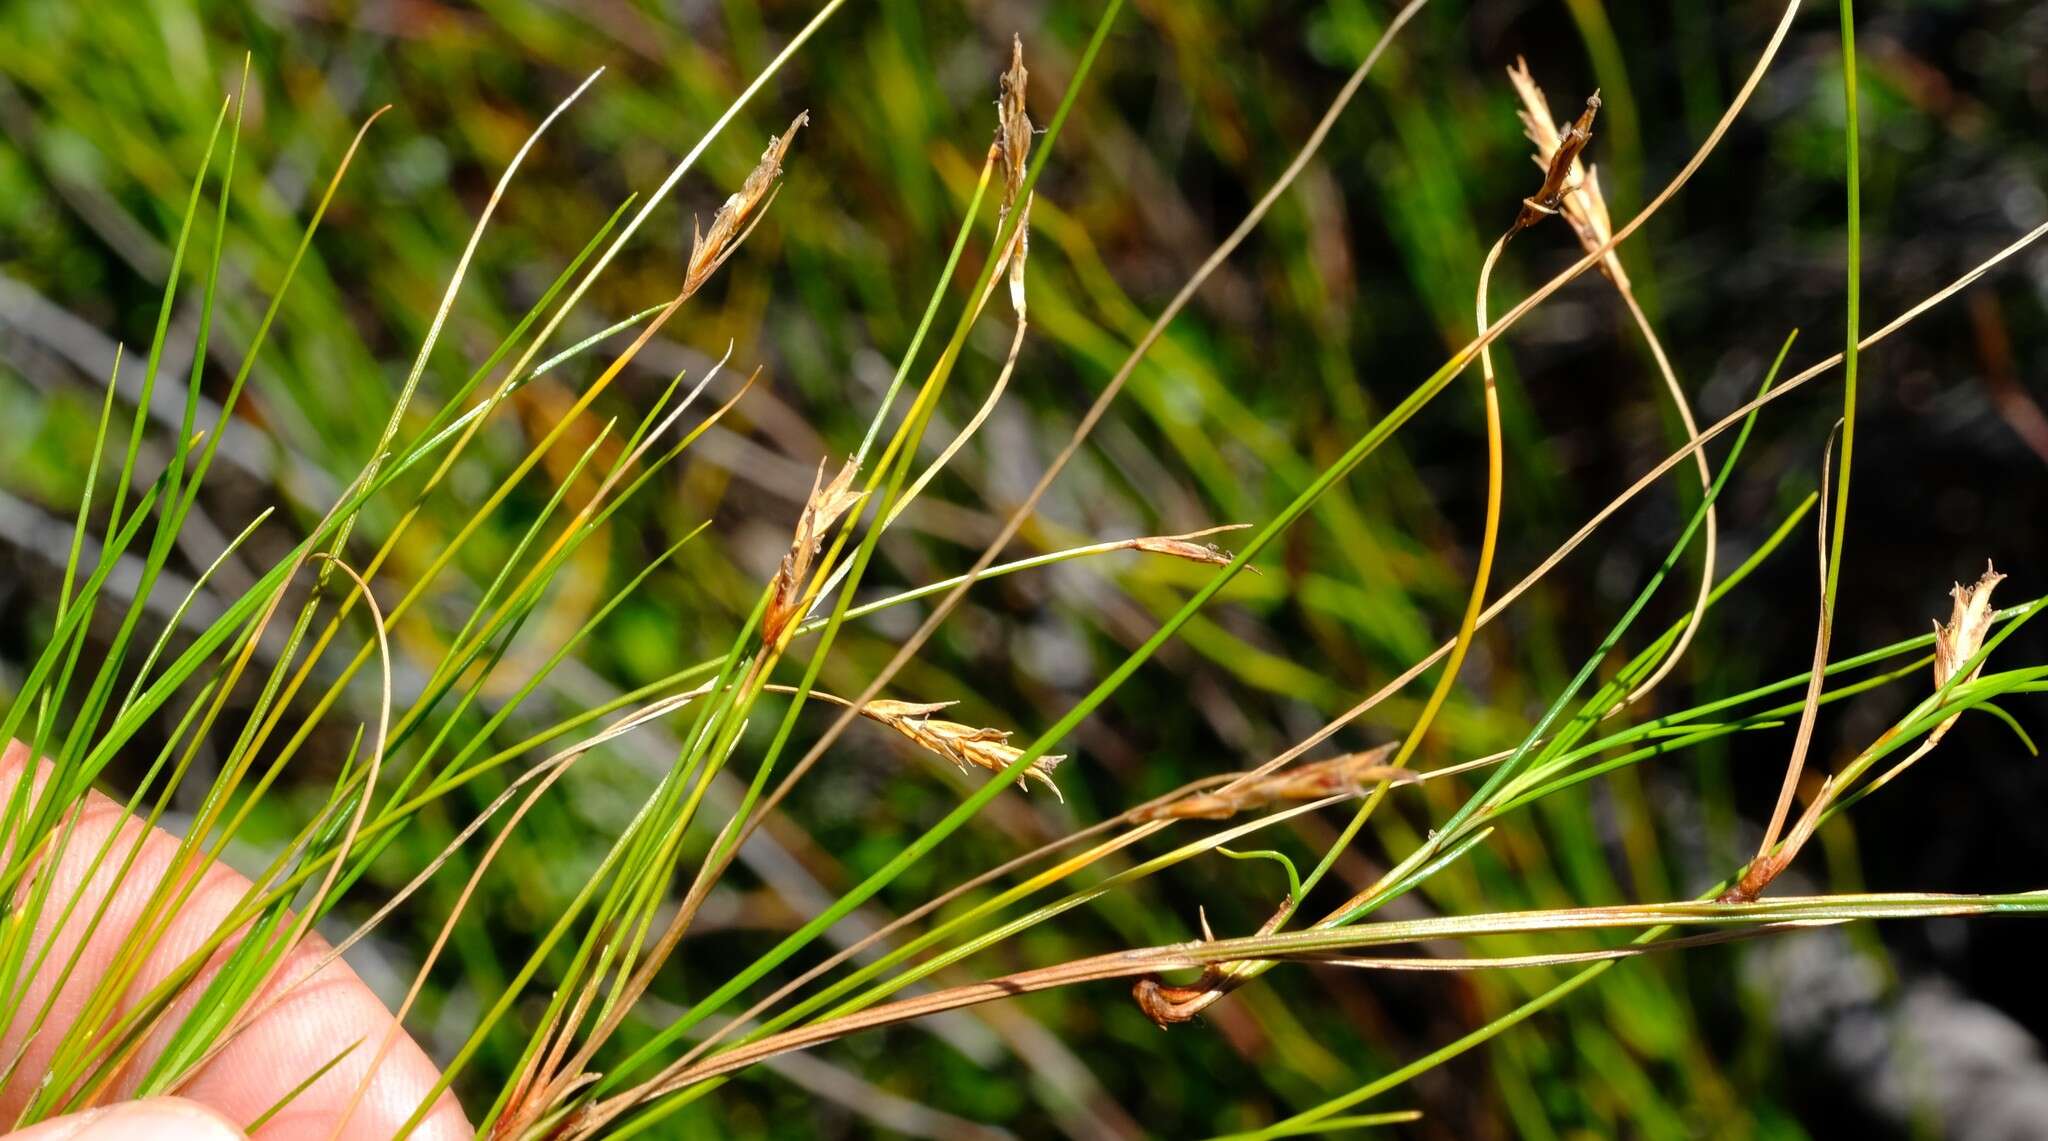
(1357, 286)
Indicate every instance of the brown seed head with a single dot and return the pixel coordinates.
(1167, 1005)
(1183, 549)
(1569, 187)
(826, 504)
(1349, 773)
(1184, 546)
(964, 745)
(1969, 621)
(1584, 206)
(710, 248)
(1013, 123)
(1012, 149)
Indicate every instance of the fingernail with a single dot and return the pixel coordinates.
(159, 1119)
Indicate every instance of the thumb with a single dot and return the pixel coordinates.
(158, 1119)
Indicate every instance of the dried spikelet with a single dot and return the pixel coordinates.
(964, 745)
(1182, 549)
(1350, 773)
(1969, 621)
(1168, 1005)
(1184, 546)
(1569, 186)
(1013, 123)
(710, 248)
(826, 504)
(1584, 206)
(1013, 151)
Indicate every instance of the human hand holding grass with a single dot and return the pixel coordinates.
(318, 1014)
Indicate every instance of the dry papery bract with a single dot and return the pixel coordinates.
(1557, 152)
(710, 248)
(1181, 547)
(1013, 150)
(1969, 623)
(1956, 643)
(1013, 123)
(1167, 1004)
(1583, 205)
(964, 745)
(826, 503)
(1350, 773)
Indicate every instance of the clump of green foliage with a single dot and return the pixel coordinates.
(394, 730)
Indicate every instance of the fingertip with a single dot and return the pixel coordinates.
(158, 1119)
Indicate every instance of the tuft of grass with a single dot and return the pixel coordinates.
(562, 844)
